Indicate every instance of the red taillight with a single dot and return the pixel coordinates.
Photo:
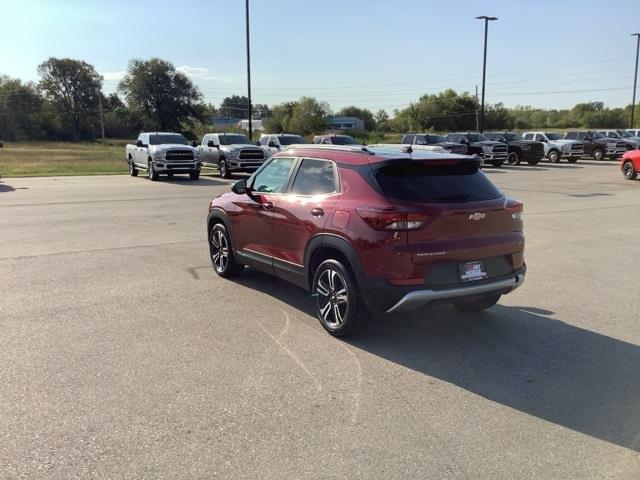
(391, 219)
(515, 208)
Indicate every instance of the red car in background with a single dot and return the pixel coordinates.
(630, 164)
(366, 229)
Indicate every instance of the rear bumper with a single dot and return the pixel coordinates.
(419, 298)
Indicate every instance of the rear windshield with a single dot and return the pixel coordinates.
(421, 182)
(343, 140)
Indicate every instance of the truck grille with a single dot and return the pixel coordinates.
(251, 154)
(499, 149)
(577, 148)
(179, 155)
(458, 149)
(621, 146)
(537, 149)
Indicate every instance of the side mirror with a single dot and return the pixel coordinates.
(139, 143)
(240, 187)
(272, 144)
(258, 143)
(210, 143)
(194, 143)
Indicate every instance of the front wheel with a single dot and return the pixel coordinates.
(224, 169)
(221, 252)
(513, 159)
(476, 304)
(153, 175)
(629, 171)
(133, 171)
(338, 305)
(554, 156)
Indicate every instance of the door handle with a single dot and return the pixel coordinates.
(317, 212)
(267, 205)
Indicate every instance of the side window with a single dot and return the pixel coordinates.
(539, 137)
(408, 139)
(315, 177)
(527, 136)
(274, 177)
(421, 140)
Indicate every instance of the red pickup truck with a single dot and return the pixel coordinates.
(630, 164)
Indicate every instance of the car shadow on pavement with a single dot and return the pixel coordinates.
(6, 188)
(184, 180)
(517, 356)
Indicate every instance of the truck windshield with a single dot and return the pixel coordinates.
(229, 139)
(624, 134)
(553, 136)
(431, 139)
(167, 138)
(476, 137)
(513, 137)
(290, 140)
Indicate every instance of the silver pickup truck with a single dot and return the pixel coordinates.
(231, 152)
(556, 147)
(162, 153)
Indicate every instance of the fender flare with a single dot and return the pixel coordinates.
(219, 214)
(336, 242)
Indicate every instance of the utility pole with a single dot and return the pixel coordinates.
(635, 78)
(484, 65)
(101, 113)
(249, 71)
(477, 124)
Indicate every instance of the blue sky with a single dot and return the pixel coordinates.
(375, 54)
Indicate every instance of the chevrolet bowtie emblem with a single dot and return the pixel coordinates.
(477, 216)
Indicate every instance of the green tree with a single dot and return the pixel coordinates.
(280, 119)
(382, 121)
(309, 116)
(234, 106)
(72, 86)
(20, 110)
(362, 113)
(160, 96)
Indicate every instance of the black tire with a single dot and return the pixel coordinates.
(497, 163)
(513, 158)
(152, 174)
(533, 163)
(224, 169)
(338, 305)
(572, 159)
(133, 171)
(194, 175)
(221, 253)
(629, 171)
(598, 154)
(476, 304)
(554, 156)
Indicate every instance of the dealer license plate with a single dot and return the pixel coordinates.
(472, 271)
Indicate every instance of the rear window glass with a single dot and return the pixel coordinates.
(421, 182)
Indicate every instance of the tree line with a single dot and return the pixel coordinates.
(67, 101)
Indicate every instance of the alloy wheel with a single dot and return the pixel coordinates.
(219, 250)
(332, 298)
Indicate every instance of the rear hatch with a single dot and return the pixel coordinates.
(463, 216)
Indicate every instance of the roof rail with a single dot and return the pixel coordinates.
(342, 148)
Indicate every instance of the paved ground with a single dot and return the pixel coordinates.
(122, 355)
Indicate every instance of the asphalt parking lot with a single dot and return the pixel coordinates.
(123, 355)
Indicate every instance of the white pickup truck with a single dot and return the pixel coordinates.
(231, 152)
(162, 153)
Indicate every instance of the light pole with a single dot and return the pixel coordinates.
(249, 70)
(484, 65)
(635, 78)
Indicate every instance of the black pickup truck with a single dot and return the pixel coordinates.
(597, 145)
(491, 152)
(433, 139)
(519, 148)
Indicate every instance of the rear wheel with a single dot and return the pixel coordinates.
(221, 252)
(554, 156)
(133, 171)
(476, 304)
(338, 305)
(224, 169)
(598, 154)
(513, 159)
(629, 171)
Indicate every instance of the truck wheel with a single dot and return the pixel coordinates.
(554, 156)
(195, 175)
(513, 159)
(598, 154)
(533, 163)
(628, 171)
(224, 169)
(477, 304)
(133, 171)
(153, 175)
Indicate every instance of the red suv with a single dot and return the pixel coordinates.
(367, 229)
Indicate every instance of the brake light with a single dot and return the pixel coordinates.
(515, 209)
(388, 219)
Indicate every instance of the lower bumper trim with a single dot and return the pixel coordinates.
(419, 298)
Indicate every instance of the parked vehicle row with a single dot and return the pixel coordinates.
(597, 145)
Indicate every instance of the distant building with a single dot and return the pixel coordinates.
(255, 125)
(223, 123)
(345, 123)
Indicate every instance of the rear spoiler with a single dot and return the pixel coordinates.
(473, 162)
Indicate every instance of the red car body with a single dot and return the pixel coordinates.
(630, 164)
(403, 253)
